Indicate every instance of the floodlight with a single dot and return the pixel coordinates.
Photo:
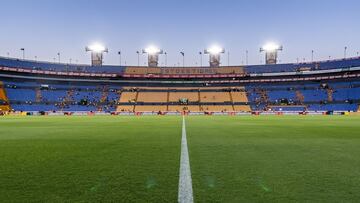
(97, 47)
(97, 50)
(214, 55)
(271, 47)
(151, 50)
(214, 50)
(271, 50)
(153, 55)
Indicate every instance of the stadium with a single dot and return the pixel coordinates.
(209, 132)
(321, 87)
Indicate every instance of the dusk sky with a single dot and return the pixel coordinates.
(46, 27)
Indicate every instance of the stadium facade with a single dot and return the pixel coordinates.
(321, 86)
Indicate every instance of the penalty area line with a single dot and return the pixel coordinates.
(185, 183)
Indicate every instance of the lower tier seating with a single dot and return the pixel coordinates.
(181, 108)
(128, 96)
(214, 99)
(239, 96)
(244, 108)
(126, 108)
(148, 108)
(217, 108)
(176, 96)
(152, 97)
(312, 96)
(34, 96)
(4, 106)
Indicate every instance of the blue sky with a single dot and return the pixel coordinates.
(46, 27)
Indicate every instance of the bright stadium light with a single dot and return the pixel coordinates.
(270, 47)
(97, 50)
(214, 55)
(215, 50)
(151, 50)
(97, 47)
(153, 55)
(271, 50)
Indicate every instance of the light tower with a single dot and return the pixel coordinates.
(271, 52)
(97, 51)
(214, 55)
(153, 55)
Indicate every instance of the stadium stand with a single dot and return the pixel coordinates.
(150, 108)
(243, 108)
(190, 96)
(4, 102)
(152, 97)
(183, 99)
(186, 108)
(128, 97)
(40, 97)
(334, 96)
(216, 108)
(238, 97)
(125, 108)
(215, 97)
(42, 86)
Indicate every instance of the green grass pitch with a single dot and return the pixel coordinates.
(136, 159)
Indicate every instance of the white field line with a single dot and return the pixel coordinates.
(185, 183)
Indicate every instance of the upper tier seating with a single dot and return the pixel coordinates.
(17, 63)
(291, 67)
(322, 65)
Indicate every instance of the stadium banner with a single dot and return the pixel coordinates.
(187, 71)
(201, 71)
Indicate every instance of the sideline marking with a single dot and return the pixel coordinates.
(185, 183)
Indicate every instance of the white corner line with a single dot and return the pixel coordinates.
(185, 183)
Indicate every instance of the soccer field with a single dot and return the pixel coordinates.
(137, 159)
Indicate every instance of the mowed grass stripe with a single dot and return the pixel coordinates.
(89, 159)
(275, 158)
